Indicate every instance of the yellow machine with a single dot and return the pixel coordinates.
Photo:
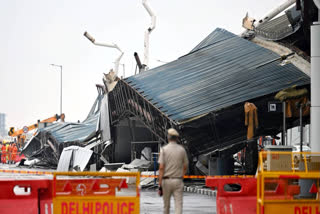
(20, 133)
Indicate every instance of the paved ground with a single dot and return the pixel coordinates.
(192, 203)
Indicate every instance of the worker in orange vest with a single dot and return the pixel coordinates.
(1, 151)
(10, 153)
(14, 152)
(7, 152)
(4, 154)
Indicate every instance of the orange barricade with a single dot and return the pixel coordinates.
(234, 194)
(23, 196)
(95, 195)
(99, 194)
(286, 183)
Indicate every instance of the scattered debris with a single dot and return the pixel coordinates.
(146, 154)
(74, 157)
(93, 134)
(138, 164)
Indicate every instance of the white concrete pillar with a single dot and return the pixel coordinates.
(315, 87)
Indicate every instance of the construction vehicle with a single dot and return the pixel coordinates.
(20, 134)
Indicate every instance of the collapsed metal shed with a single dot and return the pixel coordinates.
(49, 142)
(202, 93)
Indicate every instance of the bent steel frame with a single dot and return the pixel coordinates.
(126, 101)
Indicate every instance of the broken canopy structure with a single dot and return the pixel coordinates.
(202, 93)
(49, 142)
(290, 29)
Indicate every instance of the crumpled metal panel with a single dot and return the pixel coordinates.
(215, 76)
(104, 120)
(79, 156)
(64, 161)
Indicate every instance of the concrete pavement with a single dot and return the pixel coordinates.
(151, 203)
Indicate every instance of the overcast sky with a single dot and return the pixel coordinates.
(36, 33)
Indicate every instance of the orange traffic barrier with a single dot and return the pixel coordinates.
(23, 196)
(60, 194)
(235, 194)
(96, 195)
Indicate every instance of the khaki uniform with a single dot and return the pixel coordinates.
(173, 156)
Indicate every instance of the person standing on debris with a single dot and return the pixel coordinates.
(173, 163)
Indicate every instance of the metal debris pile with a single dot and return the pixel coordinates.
(66, 139)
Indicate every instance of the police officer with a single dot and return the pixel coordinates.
(173, 163)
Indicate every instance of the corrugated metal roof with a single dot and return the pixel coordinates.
(214, 37)
(80, 132)
(220, 72)
(69, 132)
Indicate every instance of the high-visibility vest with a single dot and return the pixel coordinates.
(3, 149)
(14, 150)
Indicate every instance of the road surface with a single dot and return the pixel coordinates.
(192, 203)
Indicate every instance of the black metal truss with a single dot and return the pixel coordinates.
(126, 101)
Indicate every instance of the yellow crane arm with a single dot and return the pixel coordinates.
(19, 132)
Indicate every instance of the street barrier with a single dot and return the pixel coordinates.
(95, 195)
(23, 196)
(288, 183)
(235, 194)
(71, 192)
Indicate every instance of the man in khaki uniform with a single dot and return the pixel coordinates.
(173, 162)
